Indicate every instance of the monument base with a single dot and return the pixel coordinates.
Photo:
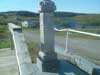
(47, 63)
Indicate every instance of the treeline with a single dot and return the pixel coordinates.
(93, 19)
(67, 14)
(15, 16)
(19, 13)
(60, 17)
(32, 14)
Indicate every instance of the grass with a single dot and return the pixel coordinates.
(4, 44)
(4, 40)
(3, 31)
(33, 50)
(37, 30)
(60, 34)
(32, 29)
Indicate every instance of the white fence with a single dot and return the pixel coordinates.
(89, 67)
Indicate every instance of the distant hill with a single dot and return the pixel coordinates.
(60, 17)
(13, 16)
(32, 14)
(19, 13)
(67, 14)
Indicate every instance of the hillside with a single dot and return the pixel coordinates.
(32, 14)
(60, 17)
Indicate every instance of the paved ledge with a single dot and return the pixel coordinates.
(65, 68)
(8, 63)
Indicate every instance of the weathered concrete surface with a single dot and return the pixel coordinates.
(47, 58)
(65, 68)
(22, 54)
(8, 63)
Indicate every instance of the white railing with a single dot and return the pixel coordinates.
(81, 62)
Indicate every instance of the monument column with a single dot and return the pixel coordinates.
(47, 56)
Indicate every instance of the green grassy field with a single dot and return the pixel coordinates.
(4, 44)
(4, 37)
(37, 30)
(3, 31)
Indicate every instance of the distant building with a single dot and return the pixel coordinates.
(58, 26)
(28, 24)
(74, 25)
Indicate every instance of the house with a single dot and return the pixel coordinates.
(74, 25)
(28, 24)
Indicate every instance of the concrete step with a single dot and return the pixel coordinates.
(8, 62)
(9, 72)
(6, 52)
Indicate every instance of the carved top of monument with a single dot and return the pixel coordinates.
(47, 6)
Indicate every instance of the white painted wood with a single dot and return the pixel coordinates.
(86, 33)
(61, 30)
(76, 31)
(66, 50)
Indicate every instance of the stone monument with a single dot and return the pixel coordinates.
(47, 58)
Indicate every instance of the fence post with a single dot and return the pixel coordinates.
(66, 50)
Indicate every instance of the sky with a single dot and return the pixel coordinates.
(78, 6)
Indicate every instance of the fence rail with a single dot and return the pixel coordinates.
(81, 62)
(76, 31)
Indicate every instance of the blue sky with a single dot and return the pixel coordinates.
(81, 6)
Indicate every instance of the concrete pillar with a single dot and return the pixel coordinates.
(47, 60)
(47, 32)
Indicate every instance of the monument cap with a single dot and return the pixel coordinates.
(47, 6)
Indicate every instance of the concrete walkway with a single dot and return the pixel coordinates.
(8, 63)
